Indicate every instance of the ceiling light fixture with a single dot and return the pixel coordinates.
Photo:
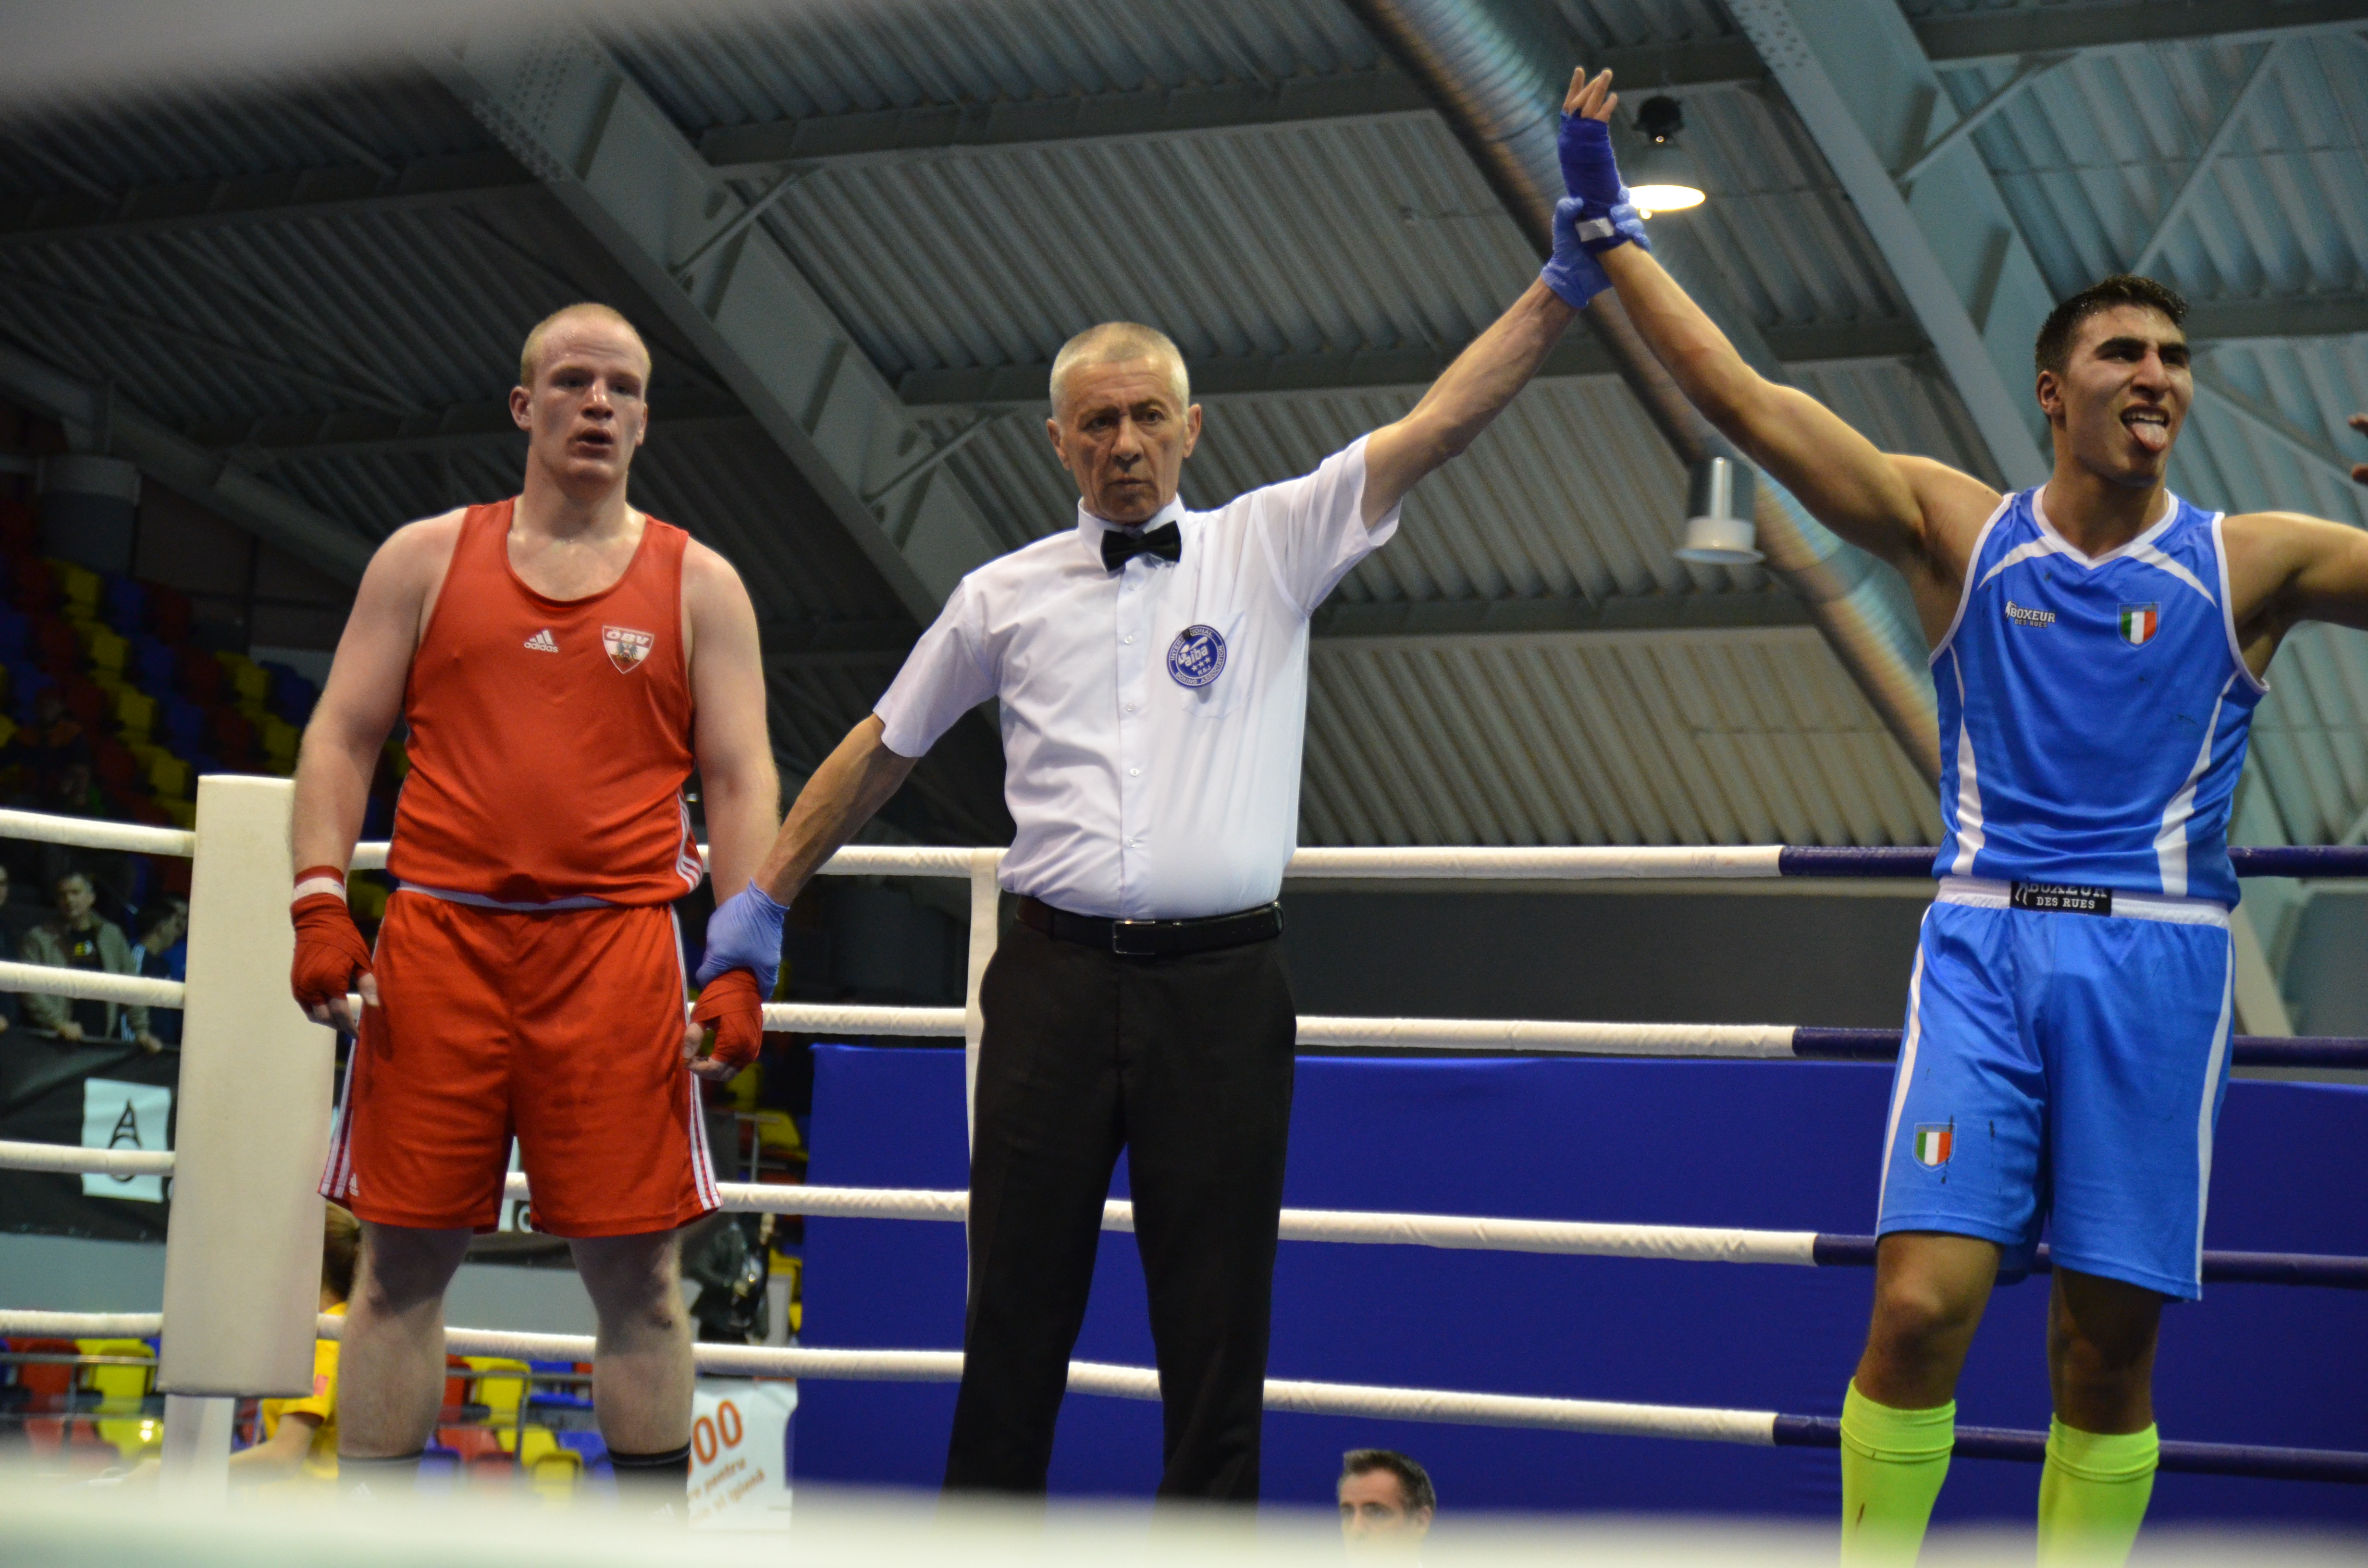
(1719, 530)
(1666, 179)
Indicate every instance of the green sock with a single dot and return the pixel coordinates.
(1893, 1464)
(2093, 1493)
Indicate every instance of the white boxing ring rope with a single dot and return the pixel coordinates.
(239, 1015)
(1755, 1427)
(1677, 1244)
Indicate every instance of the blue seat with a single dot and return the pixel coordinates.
(183, 729)
(292, 696)
(153, 668)
(123, 604)
(15, 634)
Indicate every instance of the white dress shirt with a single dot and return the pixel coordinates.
(1152, 716)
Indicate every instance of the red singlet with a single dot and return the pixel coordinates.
(530, 974)
(549, 739)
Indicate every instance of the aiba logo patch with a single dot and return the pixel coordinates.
(626, 648)
(1196, 657)
(2139, 623)
(1934, 1144)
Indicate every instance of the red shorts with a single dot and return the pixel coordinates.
(561, 1028)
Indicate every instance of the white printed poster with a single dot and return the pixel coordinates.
(124, 1116)
(740, 1455)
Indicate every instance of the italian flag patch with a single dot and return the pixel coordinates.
(2139, 623)
(1933, 1144)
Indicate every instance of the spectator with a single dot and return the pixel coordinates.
(163, 954)
(10, 1003)
(79, 938)
(1387, 1501)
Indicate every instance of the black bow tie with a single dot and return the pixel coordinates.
(1165, 542)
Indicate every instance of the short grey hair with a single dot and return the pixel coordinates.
(1115, 342)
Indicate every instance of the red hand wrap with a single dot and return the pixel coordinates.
(730, 1003)
(330, 952)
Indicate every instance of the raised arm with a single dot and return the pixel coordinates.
(1909, 511)
(355, 714)
(1458, 406)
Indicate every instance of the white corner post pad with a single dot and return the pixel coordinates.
(243, 1247)
(196, 1458)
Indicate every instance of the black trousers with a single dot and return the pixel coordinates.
(1187, 1064)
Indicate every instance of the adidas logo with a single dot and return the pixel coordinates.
(543, 642)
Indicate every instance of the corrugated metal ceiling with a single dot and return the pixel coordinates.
(1303, 239)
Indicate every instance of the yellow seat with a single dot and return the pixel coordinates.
(183, 812)
(168, 776)
(499, 1385)
(549, 1469)
(280, 740)
(106, 648)
(250, 683)
(108, 681)
(7, 729)
(398, 760)
(78, 586)
(123, 1395)
(135, 710)
(367, 898)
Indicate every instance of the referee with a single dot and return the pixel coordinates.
(1151, 662)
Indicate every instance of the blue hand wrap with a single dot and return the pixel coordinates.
(1591, 174)
(744, 932)
(1572, 273)
(1589, 171)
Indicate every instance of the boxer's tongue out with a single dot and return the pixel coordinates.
(2150, 425)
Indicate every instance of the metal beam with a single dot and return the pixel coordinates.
(1981, 37)
(1398, 622)
(2264, 69)
(950, 392)
(172, 460)
(1979, 114)
(1372, 369)
(597, 141)
(892, 135)
(1853, 73)
(2211, 391)
(2300, 316)
(282, 197)
(257, 441)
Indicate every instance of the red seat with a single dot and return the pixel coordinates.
(49, 1384)
(87, 701)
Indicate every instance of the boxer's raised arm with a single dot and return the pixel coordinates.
(1840, 476)
(853, 782)
(364, 696)
(740, 787)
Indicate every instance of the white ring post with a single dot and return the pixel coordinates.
(243, 1248)
(985, 920)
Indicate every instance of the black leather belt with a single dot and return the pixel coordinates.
(1153, 938)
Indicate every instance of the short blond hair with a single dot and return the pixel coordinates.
(530, 352)
(1116, 342)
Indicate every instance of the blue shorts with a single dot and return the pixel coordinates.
(2063, 1070)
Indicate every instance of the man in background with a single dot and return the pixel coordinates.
(164, 954)
(1386, 1503)
(78, 936)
